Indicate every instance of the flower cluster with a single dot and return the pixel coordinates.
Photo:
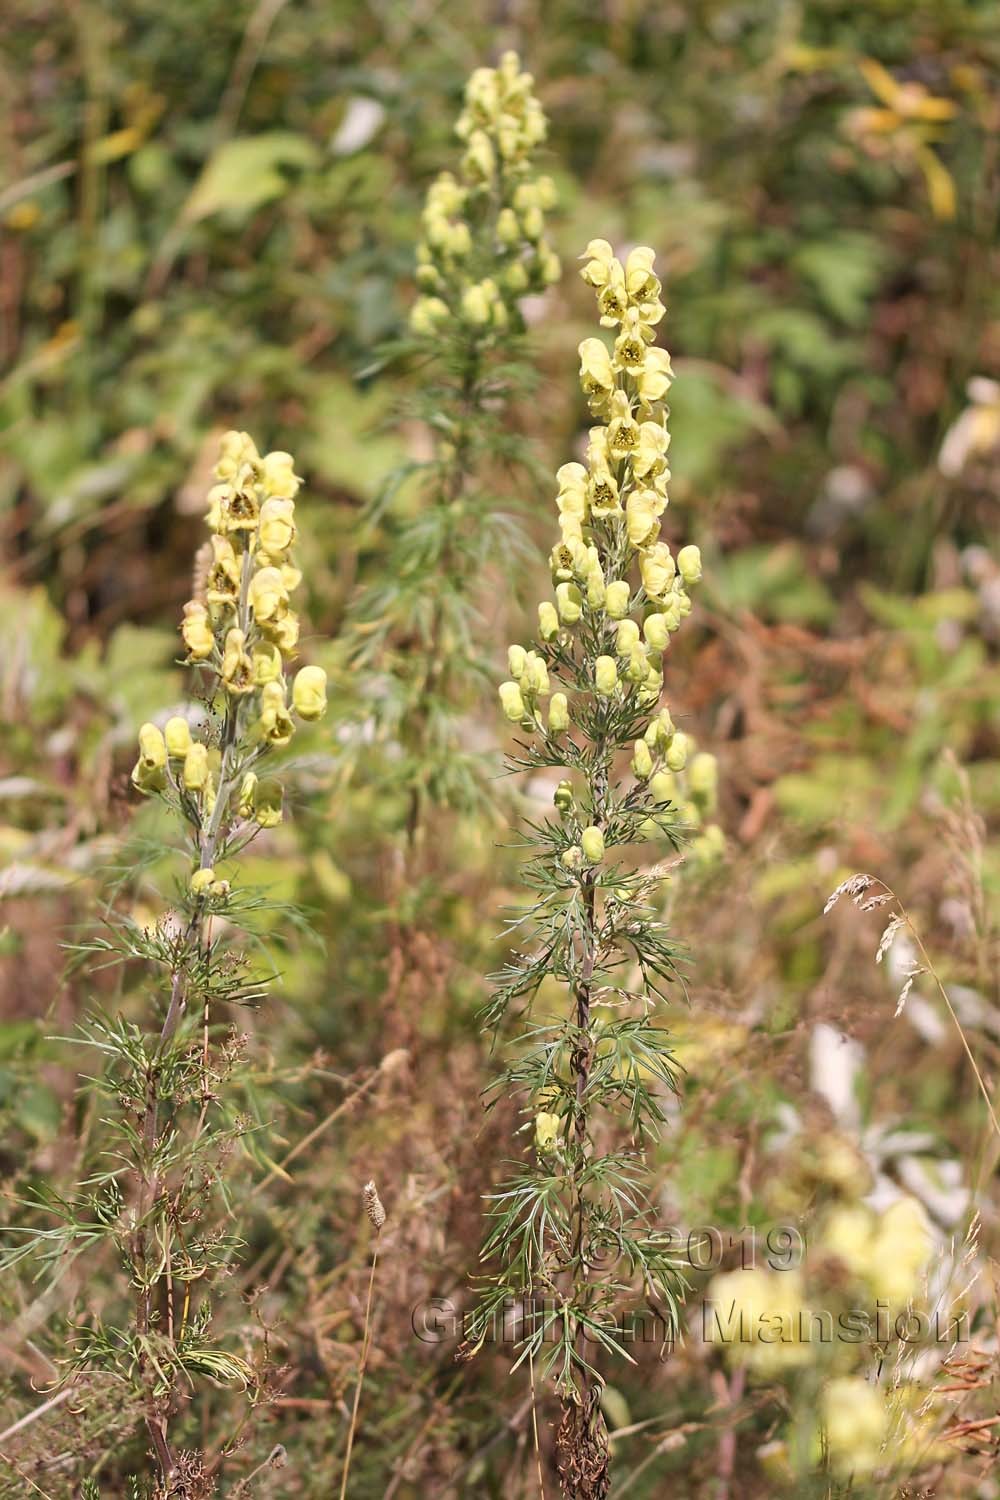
(861, 1281)
(586, 696)
(484, 244)
(609, 520)
(244, 630)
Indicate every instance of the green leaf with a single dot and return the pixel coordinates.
(244, 173)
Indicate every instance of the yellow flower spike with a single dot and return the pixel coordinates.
(276, 724)
(657, 569)
(605, 675)
(268, 804)
(196, 631)
(267, 663)
(548, 621)
(177, 734)
(546, 1131)
(195, 773)
(276, 526)
(237, 668)
(592, 844)
(309, 693)
(201, 881)
(268, 596)
(248, 793)
(558, 714)
(512, 702)
(617, 597)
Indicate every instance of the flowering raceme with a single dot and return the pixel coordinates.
(484, 245)
(586, 697)
(245, 631)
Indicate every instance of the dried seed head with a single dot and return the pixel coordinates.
(373, 1205)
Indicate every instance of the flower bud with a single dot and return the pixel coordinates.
(152, 748)
(237, 668)
(512, 702)
(642, 761)
(201, 880)
(195, 772)
(267, 804)
(196, 631)
(476, 305)
(536, 675)
(276, 528)
(275, 721)
(689, 564)
(548, 621)
(546, 1131)
(656, 631)
(661, 787)
(592, 843)
(309, 693)
(605, 675)
(563, 797)
(278, 479)
(616, 599)
(267, 664)
(677, 752)
(657, 568)
(268, 596)
(247, 797)
(177, 734)
(558, 714)
(427, 315)
(626, 637)
(508, 229)
(703, 780)
(572, 858)
(569, 602)
(517, 659)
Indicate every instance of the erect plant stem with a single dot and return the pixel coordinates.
(365, 1347)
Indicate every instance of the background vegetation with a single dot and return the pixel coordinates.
(209, 214)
